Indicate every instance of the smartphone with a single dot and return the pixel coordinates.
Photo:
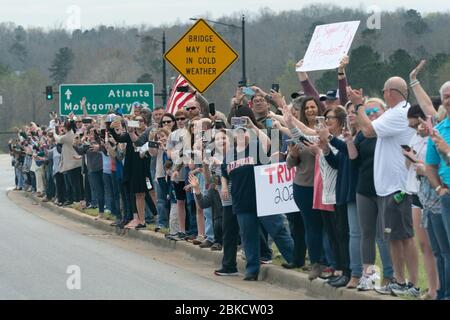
(153, 144)
(410, 159)
(183, 89)
(236, 122)
(276, 87)
(269, 123)
(242, 83)
(320, 121)
(248, 92)
(406, 148)
(133, 124)
(212, 109)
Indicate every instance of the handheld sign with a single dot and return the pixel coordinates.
(201, 56)
(329, 43)
(274, 193)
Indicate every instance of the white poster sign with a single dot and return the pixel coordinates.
(274, 194)
(329, 43)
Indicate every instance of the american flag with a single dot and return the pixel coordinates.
(178, 99)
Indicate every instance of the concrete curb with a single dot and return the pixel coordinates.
(288, 279)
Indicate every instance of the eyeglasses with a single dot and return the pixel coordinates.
(190, 108)
(330, 117)
(181, 119)
(258, 100)
(167, 121)
(372, 110)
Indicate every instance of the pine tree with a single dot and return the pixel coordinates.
(61, 65)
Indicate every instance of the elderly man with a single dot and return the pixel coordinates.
(390, 175)
(437, 161)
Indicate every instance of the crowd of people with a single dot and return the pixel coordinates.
(369, 172)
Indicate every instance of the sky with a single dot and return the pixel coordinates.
(73, 14)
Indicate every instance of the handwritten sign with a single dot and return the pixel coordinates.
(329, 43)
(201, 56)
(274, 189)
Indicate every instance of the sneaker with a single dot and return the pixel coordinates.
(316, 271)
(251, 277)
(216, 247)
(265, 261)
(198, 240)
(406, 290)
(327, 273)
(179, 235)
(206, 244)
(387, 289)
(225, 272)
(366, 283)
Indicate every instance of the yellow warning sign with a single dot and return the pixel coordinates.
(201, 56)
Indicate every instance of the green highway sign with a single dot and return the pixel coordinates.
(100, 98)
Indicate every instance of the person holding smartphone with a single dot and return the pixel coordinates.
(414, 161)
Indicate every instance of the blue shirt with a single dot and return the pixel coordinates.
(433, 155)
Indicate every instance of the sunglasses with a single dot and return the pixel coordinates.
(190, 108)
(167, 122)
(181, 119)
(372, 110)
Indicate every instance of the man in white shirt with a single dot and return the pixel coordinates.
(390, 175)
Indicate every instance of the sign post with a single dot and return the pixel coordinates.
(201, 56)
(101, 98)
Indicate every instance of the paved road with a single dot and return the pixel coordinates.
(37, 247)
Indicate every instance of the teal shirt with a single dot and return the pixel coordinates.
(433, 155)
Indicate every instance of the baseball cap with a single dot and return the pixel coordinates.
(331, 95)
(295, 95)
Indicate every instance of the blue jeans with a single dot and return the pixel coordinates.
(162, 203)
(441, 251)
(112, 194)
(445, 205)
(20, 179)
(96, 181)
(207, 213)
(50, 188)
(303, 197)
(327, 258)
(249, 229)
(355, 240)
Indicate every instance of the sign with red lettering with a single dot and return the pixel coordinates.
(329, 43)
(274, 191)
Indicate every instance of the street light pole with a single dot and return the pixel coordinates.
(244, 77)
(164, 90)
(163, 93)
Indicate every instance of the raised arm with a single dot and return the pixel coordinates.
(422, 97)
